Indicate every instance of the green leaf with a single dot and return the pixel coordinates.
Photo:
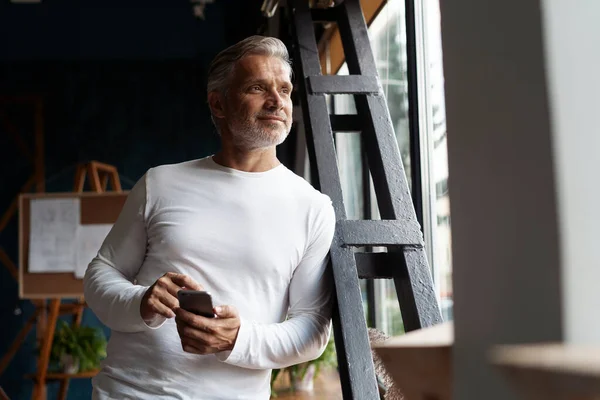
(87, 345)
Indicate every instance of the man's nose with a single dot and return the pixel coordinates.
(274, 100)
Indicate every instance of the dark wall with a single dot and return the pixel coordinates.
(134, 115)
(116, 29)
(121, 84)
(100, 29)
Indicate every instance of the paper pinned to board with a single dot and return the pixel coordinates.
(53, 231)
(89, 240)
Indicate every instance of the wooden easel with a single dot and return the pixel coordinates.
(46, 313)
(98, 176)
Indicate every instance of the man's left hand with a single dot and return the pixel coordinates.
(201, 335)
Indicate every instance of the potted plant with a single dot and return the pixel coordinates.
(301, 376)
(78, 348)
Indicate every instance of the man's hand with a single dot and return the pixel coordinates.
(161, 298)
(200, 335)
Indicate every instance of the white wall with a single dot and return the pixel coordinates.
(501, 179)
(572, 43)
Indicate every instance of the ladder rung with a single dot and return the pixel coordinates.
(345, 123)
(377, 265)
(380, 233)
(324, 14)
(343, 84)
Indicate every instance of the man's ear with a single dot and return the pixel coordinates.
(216, 104)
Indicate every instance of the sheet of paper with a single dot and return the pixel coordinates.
(89, 240)
(53, 230)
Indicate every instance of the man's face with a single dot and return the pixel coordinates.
(258, 105)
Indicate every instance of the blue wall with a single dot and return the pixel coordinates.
(122, 84)
(100, 29)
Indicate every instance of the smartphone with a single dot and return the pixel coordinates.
(197, 302)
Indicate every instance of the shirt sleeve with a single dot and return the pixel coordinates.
(109, 287)
(304, 335)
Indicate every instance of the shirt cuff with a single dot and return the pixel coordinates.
(156, 322)
(239, 348)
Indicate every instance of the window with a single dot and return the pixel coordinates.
(433, 132)
(388, 39)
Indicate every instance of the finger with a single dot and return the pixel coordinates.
(197, 348)
(215, 339)
(226, 312)
(196, 321)
(159, 308)
(184, 281)
(180, 325)
(160, 296)
(188, 348)
(198, 338)
(216, 325)
(196, 334)
(167, 299)
(166, 290)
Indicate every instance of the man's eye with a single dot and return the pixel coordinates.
(255, 88)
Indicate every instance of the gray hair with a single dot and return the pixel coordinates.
(221, 68)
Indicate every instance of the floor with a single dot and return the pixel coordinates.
(327, 387)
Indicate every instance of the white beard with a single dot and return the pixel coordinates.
(250, 137)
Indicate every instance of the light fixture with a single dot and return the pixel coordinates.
(198, 7)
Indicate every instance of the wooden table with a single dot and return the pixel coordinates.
(551, 371)
(420, 362)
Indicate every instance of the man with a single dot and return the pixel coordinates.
(239, 225)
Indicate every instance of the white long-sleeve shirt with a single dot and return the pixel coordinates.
(257, 241)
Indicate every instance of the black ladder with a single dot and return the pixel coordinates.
(398, 230)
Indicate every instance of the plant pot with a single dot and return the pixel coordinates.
(69, 363)
(304, 383)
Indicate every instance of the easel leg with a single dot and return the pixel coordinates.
(79, 312)
(80, 178)
(39, 390)
(42, 321)
(64, 389)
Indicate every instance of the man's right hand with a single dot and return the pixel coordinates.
(161, 298)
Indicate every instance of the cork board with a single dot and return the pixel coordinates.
(95, 208)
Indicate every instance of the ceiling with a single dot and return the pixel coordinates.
(114, 29)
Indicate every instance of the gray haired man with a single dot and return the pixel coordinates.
(237, 224)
